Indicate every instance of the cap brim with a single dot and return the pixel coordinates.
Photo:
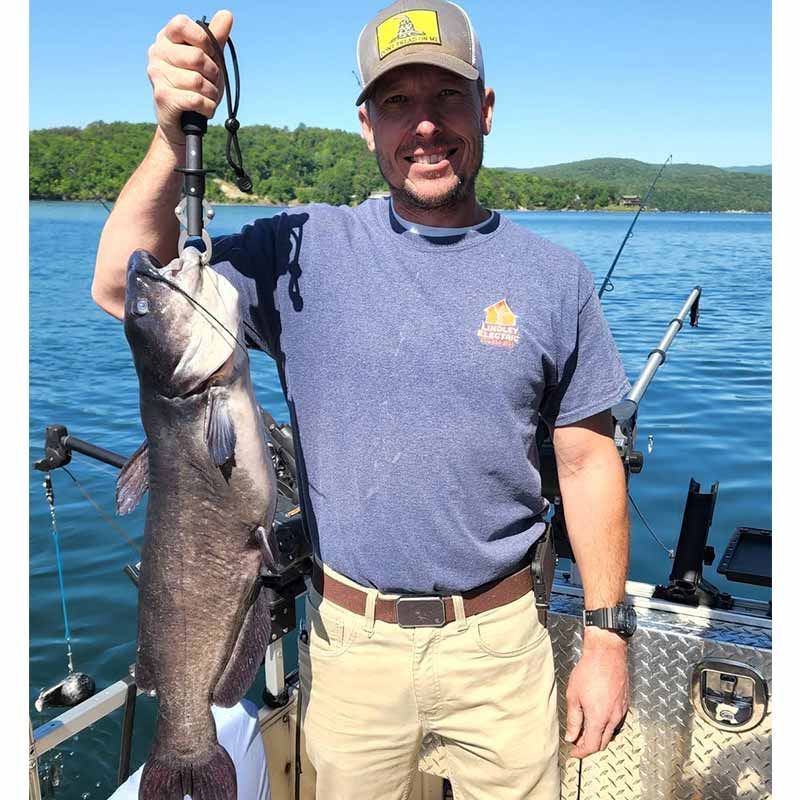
(423, 54)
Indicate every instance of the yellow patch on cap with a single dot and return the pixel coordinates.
(408, 27)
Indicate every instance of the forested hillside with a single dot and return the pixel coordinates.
(682, 187)
(320, 165)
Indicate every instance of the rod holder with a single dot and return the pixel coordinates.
(59, 445)
(686, 582)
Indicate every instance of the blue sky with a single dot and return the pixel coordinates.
(575, 79)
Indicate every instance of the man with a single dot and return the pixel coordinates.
(419, 342)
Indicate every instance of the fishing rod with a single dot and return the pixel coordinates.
(625, 411)
(625, 415)
(642, 204)
(60, 444)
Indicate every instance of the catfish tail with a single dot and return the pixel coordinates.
(212, 779)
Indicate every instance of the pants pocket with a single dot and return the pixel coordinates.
(510, 630)
(329, 635)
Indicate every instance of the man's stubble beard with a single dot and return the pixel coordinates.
(463, 190)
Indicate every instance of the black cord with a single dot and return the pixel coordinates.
(298, 767)
(231, 123)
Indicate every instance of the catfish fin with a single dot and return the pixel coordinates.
(133, 480)
(246, 656)
(220, 433)
(213, 778)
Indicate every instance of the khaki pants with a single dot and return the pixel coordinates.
(483, 688)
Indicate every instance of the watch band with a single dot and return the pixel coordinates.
(598, 618)
(615, 619)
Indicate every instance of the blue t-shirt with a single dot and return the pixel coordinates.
(415, 371)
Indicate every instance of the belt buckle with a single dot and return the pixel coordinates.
(420, 612)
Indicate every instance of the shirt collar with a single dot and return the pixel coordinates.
(432, 232)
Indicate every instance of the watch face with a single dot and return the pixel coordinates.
(627, 619)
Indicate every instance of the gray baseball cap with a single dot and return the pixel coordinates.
(418, 32)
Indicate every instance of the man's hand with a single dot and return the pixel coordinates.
(185, 77)
(597, 693)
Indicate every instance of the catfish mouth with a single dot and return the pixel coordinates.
(147, 266)
(180, 274)
(185, 338)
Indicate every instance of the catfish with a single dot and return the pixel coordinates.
(203, 623)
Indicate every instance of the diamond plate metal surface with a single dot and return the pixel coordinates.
(665, 750)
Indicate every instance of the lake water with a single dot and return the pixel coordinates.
(708, 412)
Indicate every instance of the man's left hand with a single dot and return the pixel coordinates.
(597, 693)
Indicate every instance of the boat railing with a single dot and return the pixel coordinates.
(123, 693)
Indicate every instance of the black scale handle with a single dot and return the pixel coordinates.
(194, 126)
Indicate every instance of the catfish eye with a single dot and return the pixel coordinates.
(141, 306)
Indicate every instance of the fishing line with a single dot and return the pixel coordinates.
(48, 491)
(152, 273)
(670, 553)
(102, 513)
(155, 275)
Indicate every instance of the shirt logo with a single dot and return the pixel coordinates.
(499, 326)
(410, 27)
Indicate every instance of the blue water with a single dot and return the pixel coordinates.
(708, 411)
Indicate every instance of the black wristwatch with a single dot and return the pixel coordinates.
(620, 619)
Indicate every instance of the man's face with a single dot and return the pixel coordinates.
(426, 126)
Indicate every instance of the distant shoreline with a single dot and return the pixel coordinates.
(501, 210)
(332, 166)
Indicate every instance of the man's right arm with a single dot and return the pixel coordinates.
(184, 78)
(143, 217)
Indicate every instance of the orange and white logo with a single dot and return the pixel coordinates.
(499, 326)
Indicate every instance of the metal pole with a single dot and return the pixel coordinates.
(93, 451)
(74, 720)
(34, 789)
(658, 356)
(127, 735)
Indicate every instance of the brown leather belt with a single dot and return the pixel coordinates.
(415, 611)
